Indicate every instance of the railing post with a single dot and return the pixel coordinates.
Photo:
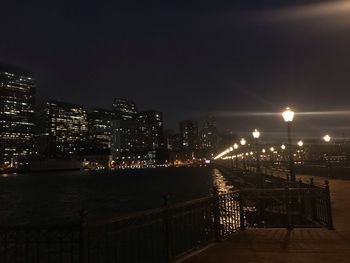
(241, 210)
(287, 205)
(167, 243)
(329, 206)
(313, 201)
(216, 210)
(82, 224)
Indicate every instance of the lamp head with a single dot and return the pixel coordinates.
(288, 115)
(327, 138)
(256, 134)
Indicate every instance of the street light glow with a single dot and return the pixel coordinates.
(300, 143)
(283, 147)
(235, 146)
(243, 141)
(256, 134)
(288, 115)
(327, 138)
(272, 149)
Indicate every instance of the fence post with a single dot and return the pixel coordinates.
(241, 210)
(329, 206)
(167, 246)
(216, 210)
(82, 224)
(287, 205)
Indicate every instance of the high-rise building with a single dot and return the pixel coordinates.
(150, 130)
(17, 88)
(124, 108)
(209, 134)
(66, 126)
(100, 130)
(124, 128)
(189, 135)
(124, 137)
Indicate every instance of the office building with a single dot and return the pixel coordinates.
(17, 89)
(100, 130)
(66, 126)
(189, 135)
(150, 135)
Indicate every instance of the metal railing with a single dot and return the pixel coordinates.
(40, 243)
(169, 232)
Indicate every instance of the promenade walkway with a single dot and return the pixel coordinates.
(280, 245)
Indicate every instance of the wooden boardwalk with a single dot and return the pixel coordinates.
(298, 245)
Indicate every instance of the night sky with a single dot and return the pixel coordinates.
(191, 58)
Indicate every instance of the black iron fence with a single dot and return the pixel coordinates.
(164, 234)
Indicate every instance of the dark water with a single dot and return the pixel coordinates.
(58, 197)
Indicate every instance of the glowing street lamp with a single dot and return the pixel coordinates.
(283, 147)
(272, 149)
(235, 146)
(288, 116)
(256, 135)
(243, 142)
(327, 139)
(300, 144)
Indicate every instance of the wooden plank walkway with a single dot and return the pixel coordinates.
(280, 245)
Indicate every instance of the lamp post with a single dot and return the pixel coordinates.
(283, 147)
(300, 144)
(327, 139)
(235, 146)
(288, 116)
(256, 135)
(272, 149)
(243, 142)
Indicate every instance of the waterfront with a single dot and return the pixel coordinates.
(58, 197)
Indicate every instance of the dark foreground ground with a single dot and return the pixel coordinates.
(280, 245)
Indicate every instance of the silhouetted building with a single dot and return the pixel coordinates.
(66, 126)
(172, 141)
(17, 88)
(124, 137)
(150, 126)
(189, 135)
(100, 130)
(209, 134)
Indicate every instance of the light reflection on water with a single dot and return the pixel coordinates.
(221, 183)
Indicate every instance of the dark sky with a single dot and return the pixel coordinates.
(190, 58)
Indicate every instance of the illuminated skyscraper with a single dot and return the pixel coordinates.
(124, 128)
(209, 134)
(124, 108)
(100, 129)
(66, 126)
(150, 130)
(17, 88)
(189, 135)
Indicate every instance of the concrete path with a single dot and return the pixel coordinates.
(280, 245)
